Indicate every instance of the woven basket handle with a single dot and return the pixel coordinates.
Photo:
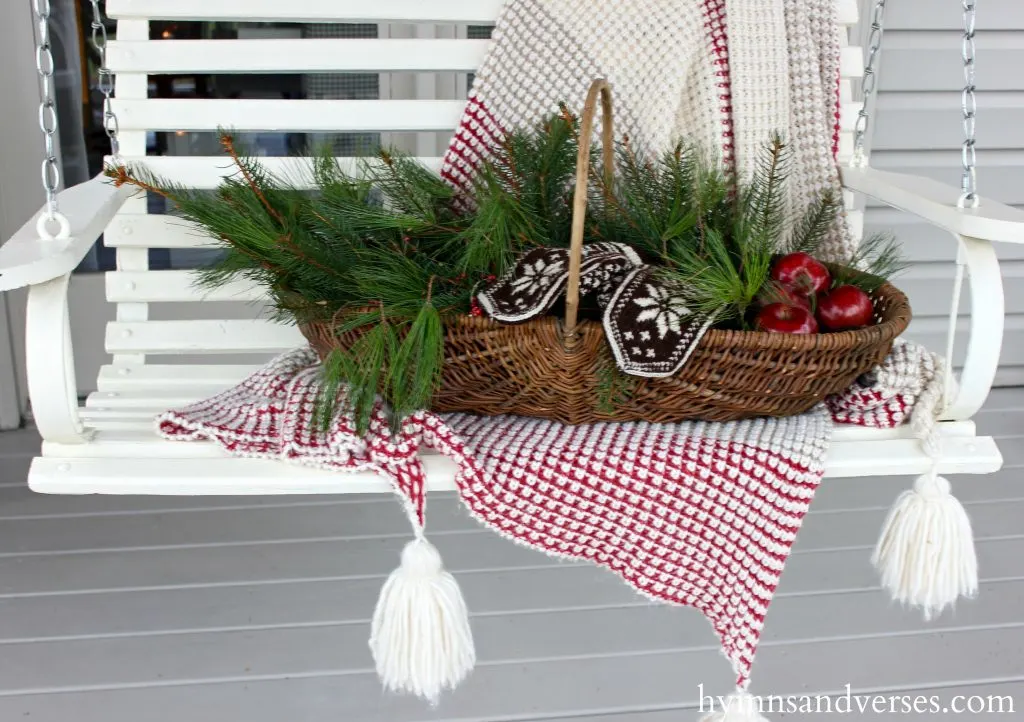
(579, 206)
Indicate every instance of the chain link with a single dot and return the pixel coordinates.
(969, 105)
(106, 79)
(860, 129)
(47, 109)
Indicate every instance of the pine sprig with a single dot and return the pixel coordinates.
(812, 229)
(722, 259)
(415, 371)
(878, 258)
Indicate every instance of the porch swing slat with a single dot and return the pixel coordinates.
(317, 11)
(310, 11)
(201, 337)
(336, 116)
(210, 473)
(175, 286)
(326, 55)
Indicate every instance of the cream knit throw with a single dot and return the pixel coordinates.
(725, 74)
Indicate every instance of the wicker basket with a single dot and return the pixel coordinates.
(553, 369)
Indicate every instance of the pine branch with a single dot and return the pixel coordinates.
(814, 227)
(878, 258)
(227, 141)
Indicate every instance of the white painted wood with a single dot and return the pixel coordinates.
(51, 364)
(174, 286)
(59, 473)
(838, 496)
(306, 55)
(26, 259)
(163, 114)
(167, 379)
(987, 319)
(937, 204)
(199, 337)
(292, 115)
(312, 11)
(482, 12)
(132, 85)
(325, 55)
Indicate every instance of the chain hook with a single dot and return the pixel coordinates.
(50, 168)
(105, 80)
(860, 130)
(969, 106)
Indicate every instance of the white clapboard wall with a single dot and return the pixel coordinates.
(917, 130)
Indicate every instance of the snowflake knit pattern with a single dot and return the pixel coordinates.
(695, 514)
(724, 74)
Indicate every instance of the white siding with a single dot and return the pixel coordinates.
(917, 130)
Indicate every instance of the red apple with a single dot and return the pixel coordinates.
(845, 307)
(777, 293)
(782, 318)
(801, 272)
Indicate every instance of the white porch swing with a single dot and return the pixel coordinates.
(108, 445)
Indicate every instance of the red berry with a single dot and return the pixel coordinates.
(845, 307)
(801, 272)
(783, 318)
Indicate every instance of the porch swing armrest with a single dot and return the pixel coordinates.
(936, 203)
(26, 259)
(974, 230)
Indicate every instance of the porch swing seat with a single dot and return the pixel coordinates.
(107, 445)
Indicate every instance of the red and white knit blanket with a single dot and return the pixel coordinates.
(695, 514)
(724, 74)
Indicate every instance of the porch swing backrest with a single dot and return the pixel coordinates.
(162, 319)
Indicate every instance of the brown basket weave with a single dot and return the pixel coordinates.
(553, 369)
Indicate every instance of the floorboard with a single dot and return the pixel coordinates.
(118, 609)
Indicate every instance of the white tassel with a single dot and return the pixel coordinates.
(740, 706)
(420, 637)
(925, 554)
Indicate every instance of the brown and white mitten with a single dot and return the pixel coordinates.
(649, 327)
(540, 277)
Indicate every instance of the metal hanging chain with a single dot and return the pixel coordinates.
(969, 183)
(106, 79)
(47, 111)
(860, 130)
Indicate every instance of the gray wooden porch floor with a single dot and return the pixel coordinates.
(154, 609)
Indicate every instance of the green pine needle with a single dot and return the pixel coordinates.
(415, 370)
(878, 258)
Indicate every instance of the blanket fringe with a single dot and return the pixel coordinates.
(420, 637)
